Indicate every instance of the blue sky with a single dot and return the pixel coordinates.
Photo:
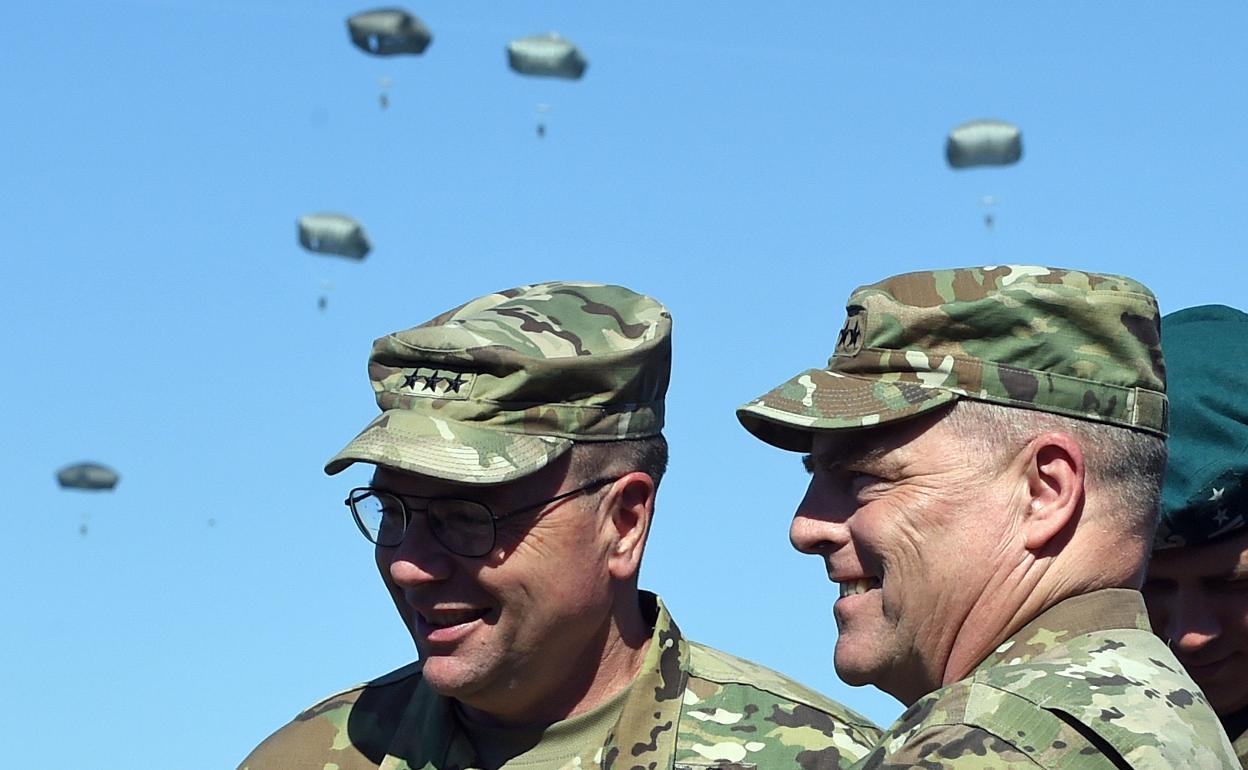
(749, 165)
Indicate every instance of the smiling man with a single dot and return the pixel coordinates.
(985, 448)
(1197, 586)
(517, 455)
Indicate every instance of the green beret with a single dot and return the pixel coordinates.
(1204, 496)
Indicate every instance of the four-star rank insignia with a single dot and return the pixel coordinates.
(850, 340)
(436, 383)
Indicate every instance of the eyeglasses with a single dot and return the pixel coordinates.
(464, 527)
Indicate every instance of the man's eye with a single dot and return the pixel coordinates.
(1234, 585)
(391, 511)
(861, 484)
(460, 518)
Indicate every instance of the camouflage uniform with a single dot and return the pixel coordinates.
(690, 707)
(490, 392)
(1084, 684)
(1241, 742)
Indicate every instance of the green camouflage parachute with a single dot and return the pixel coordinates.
(547, 56)
(984, 143)
(388, 31)
(333, 234)
(90, 476)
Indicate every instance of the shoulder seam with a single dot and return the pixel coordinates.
(396, 676)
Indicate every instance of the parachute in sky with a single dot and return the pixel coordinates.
(989, 202)
(388, 31)
(333, 234)
(546, 56)
(383, 96)
(984, 143)
(542, 109)
(89, 476)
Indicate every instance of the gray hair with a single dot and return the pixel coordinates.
(597, 459)
(1125, 466)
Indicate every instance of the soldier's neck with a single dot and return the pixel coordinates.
(1007, 604)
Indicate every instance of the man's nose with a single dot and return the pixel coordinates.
(1192, 622)
(420, 558)
(819, 524)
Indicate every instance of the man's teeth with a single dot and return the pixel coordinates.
(451, 617)
(861, 586)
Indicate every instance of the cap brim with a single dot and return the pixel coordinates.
(820, 400)
(447, 449)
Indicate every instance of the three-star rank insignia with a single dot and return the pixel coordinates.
(437, 383)
(850, 340)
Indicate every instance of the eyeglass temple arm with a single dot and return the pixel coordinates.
(579, 490)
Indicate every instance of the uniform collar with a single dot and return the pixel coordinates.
(1103, 610)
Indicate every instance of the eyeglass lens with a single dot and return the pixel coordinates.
(463, 526)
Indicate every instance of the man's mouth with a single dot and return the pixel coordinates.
(447, 618)
(859, 586)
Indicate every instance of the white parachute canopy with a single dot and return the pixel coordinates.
(333, 234)
(984, 143)
(388, 31)
(546, 56)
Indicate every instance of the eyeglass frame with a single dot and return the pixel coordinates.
(495, 518)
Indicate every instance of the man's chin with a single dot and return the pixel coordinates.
(852, 672)
(448, 677)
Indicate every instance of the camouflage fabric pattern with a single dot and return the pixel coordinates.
(1084, 686)
(1204, 496)
(1241, 749)
(1078, 344)
(690, 707)
(495, 389)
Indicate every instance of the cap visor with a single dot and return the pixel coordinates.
(447, 449)
(819, 400)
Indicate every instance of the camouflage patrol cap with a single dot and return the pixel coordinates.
(497, 388)
(1077, 344)
(1204, 495)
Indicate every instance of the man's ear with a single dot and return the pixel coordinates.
(631, 506)
(1055, 485)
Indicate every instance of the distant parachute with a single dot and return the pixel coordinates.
(988, 202)
(388, 31)
(546, 56)
(384, 83)
(542, 109)
(90, 476)
(984, 143)
(333, 234)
